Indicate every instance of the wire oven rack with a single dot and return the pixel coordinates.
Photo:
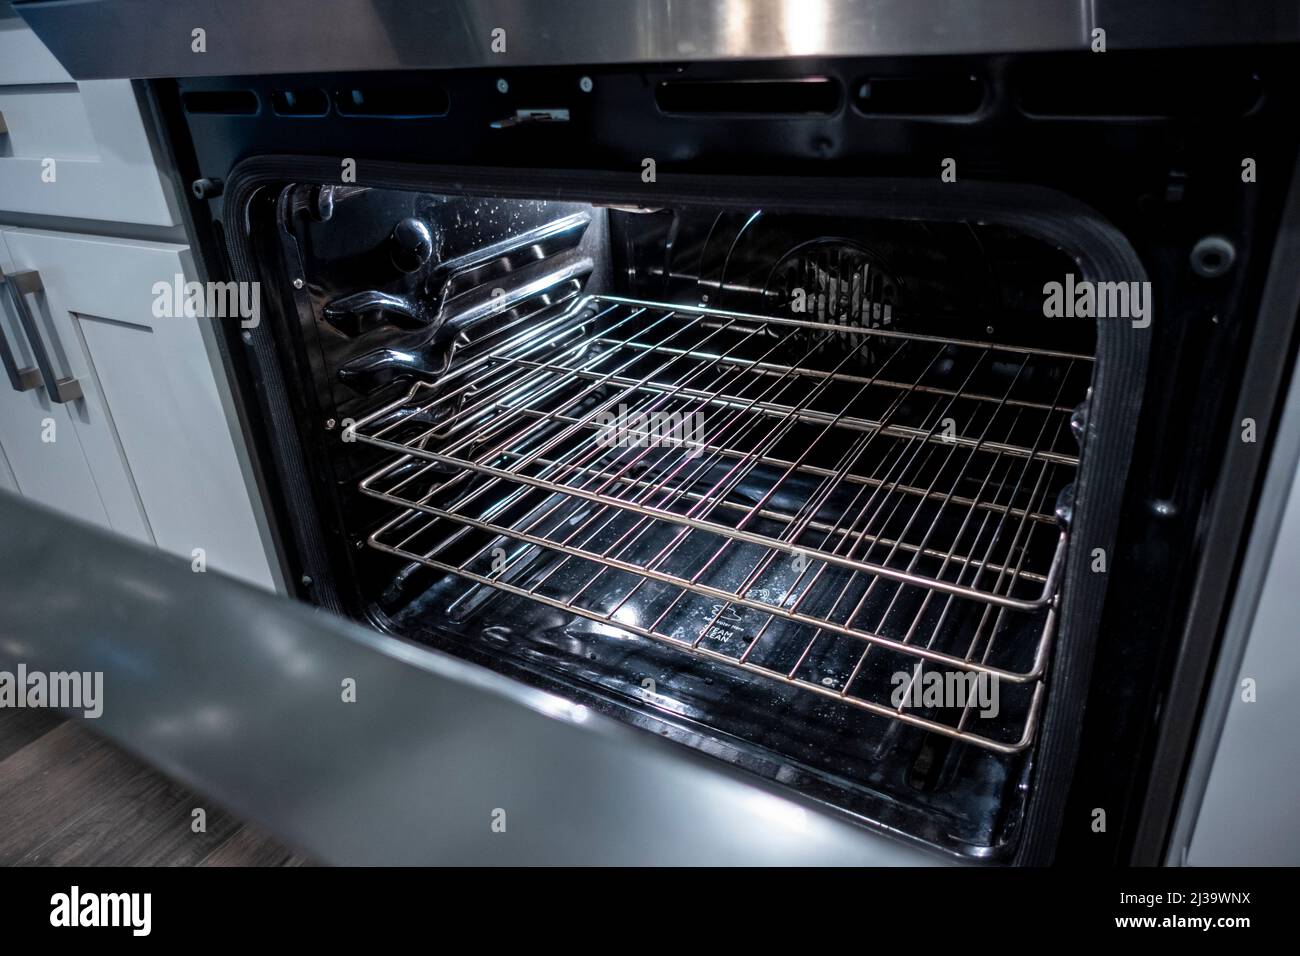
(845, 519)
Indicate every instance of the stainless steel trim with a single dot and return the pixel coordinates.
(236, 693)
(153, 39)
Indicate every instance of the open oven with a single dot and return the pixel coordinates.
(862, 422)
(800, 483)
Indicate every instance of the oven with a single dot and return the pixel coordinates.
(864, 419)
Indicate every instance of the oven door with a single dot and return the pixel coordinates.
(358, 748)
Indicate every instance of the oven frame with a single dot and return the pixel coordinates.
(1099, 249)
(1129, 707)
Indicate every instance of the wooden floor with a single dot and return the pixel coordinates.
(69, 798)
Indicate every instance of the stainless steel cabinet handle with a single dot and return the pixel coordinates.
(22, 379)
(20, 285)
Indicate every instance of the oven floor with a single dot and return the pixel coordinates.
(958, 798)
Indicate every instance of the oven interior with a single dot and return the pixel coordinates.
(818, 174)
(793, 489)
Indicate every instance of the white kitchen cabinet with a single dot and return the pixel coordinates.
(158, 461)
(77, 150)
(41, 451)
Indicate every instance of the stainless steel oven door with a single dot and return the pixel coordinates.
(359, 748)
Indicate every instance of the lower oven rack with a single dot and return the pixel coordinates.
(852, 521)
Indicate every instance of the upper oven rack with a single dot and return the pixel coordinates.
(534, 360)
(881, 491)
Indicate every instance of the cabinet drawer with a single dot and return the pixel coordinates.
(77, 150)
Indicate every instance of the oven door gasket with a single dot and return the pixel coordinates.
(1098, 248)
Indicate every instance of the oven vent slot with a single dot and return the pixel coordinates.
(392, 102)
(956, 95)
(230, 102)
(803, 96)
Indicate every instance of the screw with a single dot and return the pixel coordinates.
(306, 580)
(297, 283)
(247, 337)
(329, 424)
(206, 188)
(585, 84)
(502, 85)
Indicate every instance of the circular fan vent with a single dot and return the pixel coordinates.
(835, 281)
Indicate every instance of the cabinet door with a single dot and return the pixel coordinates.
(150, 419)
(40, 452)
